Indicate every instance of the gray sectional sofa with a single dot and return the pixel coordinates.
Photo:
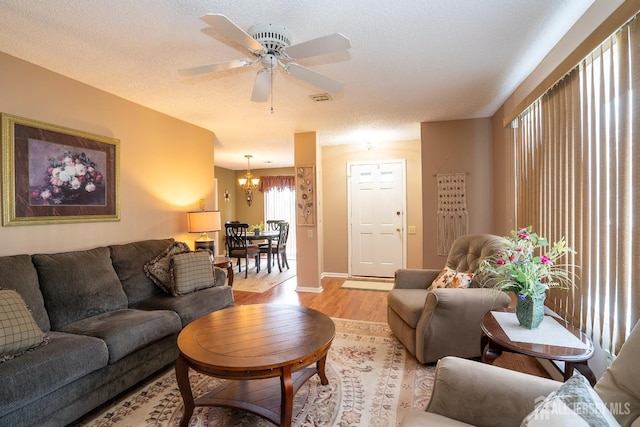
(107, 324)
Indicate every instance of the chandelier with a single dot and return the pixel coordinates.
(249, 183)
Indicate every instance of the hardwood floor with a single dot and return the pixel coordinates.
(333, 301)
(362, 305)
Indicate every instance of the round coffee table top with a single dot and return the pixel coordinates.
(256, 337)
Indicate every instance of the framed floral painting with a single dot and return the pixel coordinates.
(52, 174)
(305, 195)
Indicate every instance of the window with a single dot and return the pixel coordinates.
(575, 153)
(280, 203)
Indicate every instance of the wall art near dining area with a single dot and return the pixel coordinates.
(305, 195)
(52, 174)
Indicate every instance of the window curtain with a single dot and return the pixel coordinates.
(574, 158)
(279, 182)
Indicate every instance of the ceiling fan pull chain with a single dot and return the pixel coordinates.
(271, 85)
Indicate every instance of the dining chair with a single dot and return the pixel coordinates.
(272, 224)
(279, 247)
(238, 246)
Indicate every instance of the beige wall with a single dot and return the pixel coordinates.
(503, 177)
(166, 165)
(334, 198)
(449, 147)
(308, 241)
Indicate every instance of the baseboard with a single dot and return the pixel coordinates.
(330, 274)
(311, 290)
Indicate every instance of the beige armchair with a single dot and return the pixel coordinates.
(467, 393)
(444, 322)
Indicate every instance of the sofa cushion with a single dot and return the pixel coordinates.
(190, 272)
(159, 268)
(408, 304)
(19, 332)
(126, 331)
(129, 260)
(574, 404)
(619, 386)
(191, 306)
(19, 273)
(450, 278)
(36, 373)
(78, 285)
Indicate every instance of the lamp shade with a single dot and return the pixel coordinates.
(203, 221)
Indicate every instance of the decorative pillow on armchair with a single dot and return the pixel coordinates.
(190, 272)
(158, 268)
(19, 332)
(575, 403)
(449, 278)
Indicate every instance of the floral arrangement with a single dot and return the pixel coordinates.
(524, 268)
(66, 177)
(256, 227)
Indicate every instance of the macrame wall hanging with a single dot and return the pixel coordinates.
(453, 218)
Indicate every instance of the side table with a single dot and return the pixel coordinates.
(225, 262)
(495, 340)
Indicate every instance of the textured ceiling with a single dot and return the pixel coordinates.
(411, 61)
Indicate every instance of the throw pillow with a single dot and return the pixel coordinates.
(190, 272)
(19, 331)
(574, 403)
(158, 268)
(449, 278)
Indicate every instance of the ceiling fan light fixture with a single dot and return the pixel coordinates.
(273, 37)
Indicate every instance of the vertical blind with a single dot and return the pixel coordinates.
(574, 152)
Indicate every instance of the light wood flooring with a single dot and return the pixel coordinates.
(357, 304)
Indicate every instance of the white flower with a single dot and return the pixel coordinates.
(67, 174)
(90, 187)
(80, 169)
(75, 183)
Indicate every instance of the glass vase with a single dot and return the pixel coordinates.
(530, 310)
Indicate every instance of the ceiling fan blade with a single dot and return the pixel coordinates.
(203, 69)
(262, 86)
(224, 27)
(327, 44)
(314, 78)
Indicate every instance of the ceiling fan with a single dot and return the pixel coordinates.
(270, 45)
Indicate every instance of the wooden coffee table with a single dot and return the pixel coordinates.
(495, 341)
(267, 348)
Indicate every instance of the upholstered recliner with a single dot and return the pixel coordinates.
(445, 321)
(467, 393)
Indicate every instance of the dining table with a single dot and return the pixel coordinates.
(270, 236)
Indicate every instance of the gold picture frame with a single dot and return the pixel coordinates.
(305, 196)
(52, 174)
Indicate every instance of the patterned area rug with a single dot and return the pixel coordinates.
(263, 281)
(373, 381)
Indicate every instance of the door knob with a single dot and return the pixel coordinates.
(397, 229)
(398, 213)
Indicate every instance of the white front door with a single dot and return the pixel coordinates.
(376, 218)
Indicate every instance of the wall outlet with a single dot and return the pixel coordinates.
(609, 358)
(310, 233)
(411, 229)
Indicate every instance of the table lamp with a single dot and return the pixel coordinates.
(202, 222)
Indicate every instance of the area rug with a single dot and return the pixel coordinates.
(263, 281)
(369, 285)
(373, 381)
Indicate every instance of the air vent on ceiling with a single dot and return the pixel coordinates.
(320, 97)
